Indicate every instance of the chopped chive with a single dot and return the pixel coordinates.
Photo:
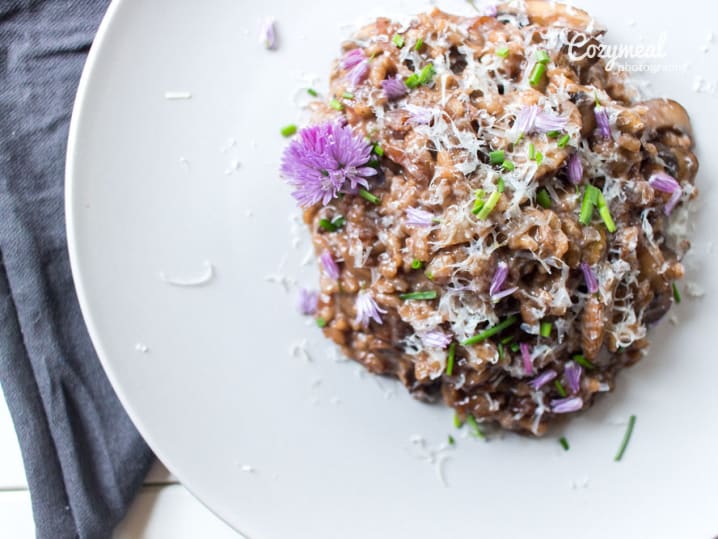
(333, 225)
(427, 73)
(451, 440)
(412, 81)
(514, 347)
(546, 328)
(419, 43)
(378, 150)
(398, 40)
(676, 293)
(543, 198)
(312, 92)
(501, 351)
(553, 134)
(590, 197)
(496, 157)
(336, 105)
(532, 151)
(429, 275)
(564, 443)
(626, 438)
(321, 322)
(539, 158)
(288, 130)
(542, 57)
(502, 51)
(489, 205)
(490, 332)
(471, 420)
(563, 141)
(348, 95)
(508, 165)
(478, 201)
(457, 421)
(507, 340)
(500, 186)
(605, 212)
(450, 359)
(366, 195)
(416, 264)
(422, 294)
(537, 73)
(560, 388)
(581, 360)
(374, 163)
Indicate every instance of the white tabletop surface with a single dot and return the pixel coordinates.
(163, 509)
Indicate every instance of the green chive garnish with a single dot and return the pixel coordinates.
(605, 212)
(590, 197)
(412, 81)
(537, 73)
(542, 57)
(581, 360)
(429, 275)
(336, 105)
(501, 351)
(312, 92)
(500, 186)
(553, 134)
(546, 328)
(539, 158)
(288, 130)
(489, 205)
(543, 198)
(559, 388)
(563, 141)
(451, 440)
(676, 293)
(321, 322)
(626, 438)
(419, 44)
(416, 264)
(478, 201)
(508, 165)
(423, 294)
(532, 151)
(366, 195)
(507, 340)
(457, 421)
(564, 443)
(348, 95)
(502, 51)
(422, 77)
(471, 420)
(490, 332)
(450, 359)
(398, 40)
(515, 347)
(333, 225)
(378, 150)
(496, 157)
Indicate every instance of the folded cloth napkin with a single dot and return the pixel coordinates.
(83, 457)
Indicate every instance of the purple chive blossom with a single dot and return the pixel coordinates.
(419, 115)
(526, 358)
(497, 283)
(329, 265)
(564, 406)
(604, 126)
(542, 379)
(666, 183)
(308, 301)
(358, 73)
(268, 34)
(547, 121)
(367, 309)
(352, 58)
(436, 338)
(419, 217)
(323, 161)
(590, 278)
(572, 374)
(393, 88)
(532, 118)
(575, 169)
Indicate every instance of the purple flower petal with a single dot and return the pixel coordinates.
(358, 73)
(419, 217)
(604, 126)
(542, 379)
(572, 374)
(525, 119)
(329, 265)
(575, 169)
(352, 58)
(547, 121)
(419, 115)
(323, 160)
(393, 88)
(590, 278)
(532, 118)
(497, 282)
(567, 405)
(495, 298)
(308, 301)
(526, 358)
(436, 338)
(367, 309)
(666, 183)
(268, 34)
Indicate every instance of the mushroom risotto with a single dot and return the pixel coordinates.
(498, 218)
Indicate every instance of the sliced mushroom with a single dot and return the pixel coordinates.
(658, 114)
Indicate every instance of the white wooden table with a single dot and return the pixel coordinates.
(163, 509)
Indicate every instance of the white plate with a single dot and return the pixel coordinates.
(156, 185)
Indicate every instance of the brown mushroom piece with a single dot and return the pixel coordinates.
(660, 114)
